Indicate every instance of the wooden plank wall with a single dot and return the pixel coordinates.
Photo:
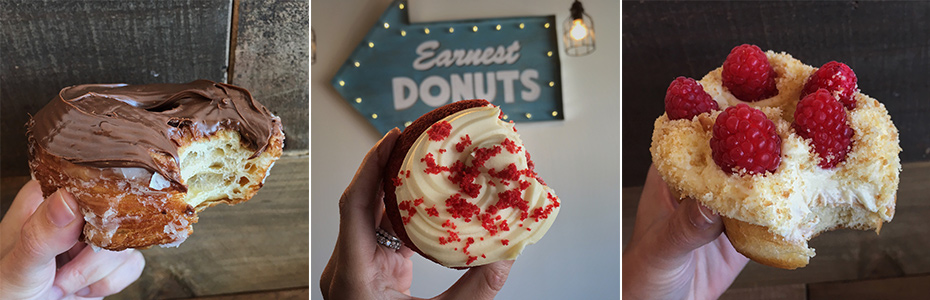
(271, 60)
(886, 43)
(850, 264)
(255, 250)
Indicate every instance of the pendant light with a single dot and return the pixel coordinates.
(578, 32)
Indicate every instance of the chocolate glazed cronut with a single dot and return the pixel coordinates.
(141, 160)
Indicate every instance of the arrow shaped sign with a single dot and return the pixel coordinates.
(401, 71)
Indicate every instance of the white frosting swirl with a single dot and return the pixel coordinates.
(478, 205)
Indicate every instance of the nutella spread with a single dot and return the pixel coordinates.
(119, 125)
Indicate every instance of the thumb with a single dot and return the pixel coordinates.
(360, 204)
(481, 282)
(52, 229)
(691, 226)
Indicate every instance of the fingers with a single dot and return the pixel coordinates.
(386, 225)
(655, 205)
(52, 229)
(26, 202)
(691, 226)
(90, 267)
(482, 282)
(360, 204)
(99, 274)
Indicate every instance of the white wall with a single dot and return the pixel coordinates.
(579, 258)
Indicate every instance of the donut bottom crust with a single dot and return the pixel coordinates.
(759, 244)
(123, 207)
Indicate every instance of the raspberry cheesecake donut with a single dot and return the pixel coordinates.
(461, 190)
(781, 150)
(142, 160)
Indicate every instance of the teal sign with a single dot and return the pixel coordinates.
(400, 71)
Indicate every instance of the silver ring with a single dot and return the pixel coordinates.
(388, 240)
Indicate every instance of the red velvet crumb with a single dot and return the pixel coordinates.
(529, 162)
(512, 198)
(431, 166)
(417, 202)
(464, 176)
(488, 223)
(449, 224)
(471, 259)
(511, 146)
(508, 173)
(396, 181)
(442, 150)
(453, 237)
(505, 242)
(543, 213)
(432, 211)
(460, 208)
(411, 210)
(468, 243)
(460, 146)
(482, 155)
(439, 131)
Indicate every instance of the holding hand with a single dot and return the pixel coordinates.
(42, 258)
(677, 250)
(361, 268)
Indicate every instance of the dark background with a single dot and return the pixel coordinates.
(887, 44)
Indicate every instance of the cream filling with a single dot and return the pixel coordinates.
(481, 235)
(782, 201)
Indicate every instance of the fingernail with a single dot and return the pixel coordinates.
(55, 293)
(701, 217)
(83, 292)
(59, 212)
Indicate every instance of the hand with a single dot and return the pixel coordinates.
(677, 250)
(34, 232)
(360, 268)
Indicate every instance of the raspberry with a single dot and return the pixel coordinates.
(745, 141)
(685, 98)
(748, 75)
(837, 78)
(822, 119)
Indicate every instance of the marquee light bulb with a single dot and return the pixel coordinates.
(579, 31)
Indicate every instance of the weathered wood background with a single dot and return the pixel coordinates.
(255, 250)
(887, 44)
